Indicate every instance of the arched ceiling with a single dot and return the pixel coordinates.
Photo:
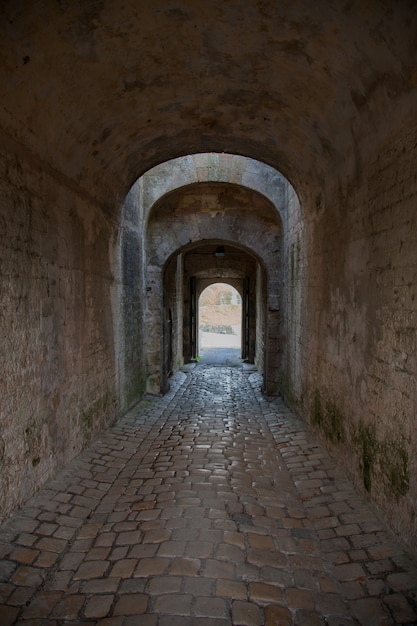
(219, 268)
(101, 91)
(227, 214)
(212, 167)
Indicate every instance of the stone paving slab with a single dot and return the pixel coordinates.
(209, 506)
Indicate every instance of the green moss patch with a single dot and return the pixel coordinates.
(329, 418)
(365, 440)
(383, 460)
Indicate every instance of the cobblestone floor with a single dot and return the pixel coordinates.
(210, 506)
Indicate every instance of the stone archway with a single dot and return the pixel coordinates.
(133, 312)
(188, 273)
(214, 213)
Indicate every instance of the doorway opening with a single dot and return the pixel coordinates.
(220, 322)
(187, 274)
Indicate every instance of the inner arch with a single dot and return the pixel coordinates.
(179, 204)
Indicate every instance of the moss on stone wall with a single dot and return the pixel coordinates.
(365, 440)
(382, 461)
(136, 389)
(87, 417)
(97, 416)
(287, 389)
(396, 468)
(328, 417)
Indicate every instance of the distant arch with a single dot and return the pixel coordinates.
(220, 314)
(145, 246)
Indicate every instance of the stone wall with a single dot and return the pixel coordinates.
(57, 385)
(295, 311)
(351, 323)
(130, 302)
(261, 320)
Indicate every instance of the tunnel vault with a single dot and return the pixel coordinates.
(98, 95)
(192, 201)
(186, 276)
(206, 216)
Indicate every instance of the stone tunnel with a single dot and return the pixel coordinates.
(137, 138)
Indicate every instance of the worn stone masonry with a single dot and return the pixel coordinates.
(135, 135)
